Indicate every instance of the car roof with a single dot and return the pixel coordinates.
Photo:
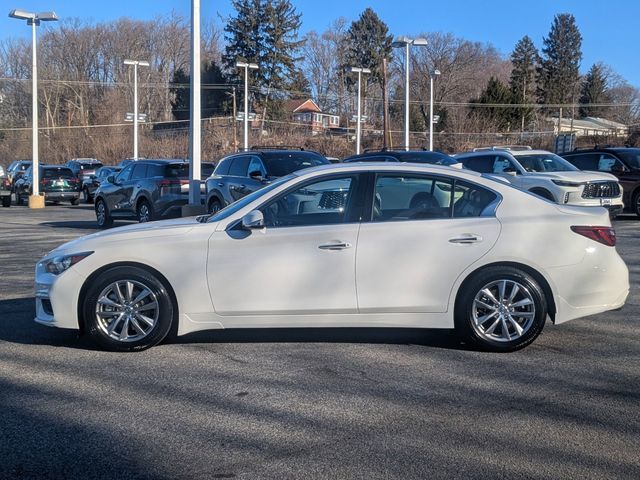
(390, 167)
(514, 153)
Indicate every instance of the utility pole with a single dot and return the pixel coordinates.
(386, 142)
(359, 71)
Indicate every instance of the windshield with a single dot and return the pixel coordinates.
(544, 162)
(283, 163)
(631, 156)
(244, 201)
(434, 158)
(90, 165)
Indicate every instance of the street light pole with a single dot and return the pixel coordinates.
(359, 71)
(433, 74)
(135, 64)
(195, 125)
(246, 66)
(33, 20)
(406, 42)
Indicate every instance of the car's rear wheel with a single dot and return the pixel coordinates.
(103, 218)
(6, 201)
(18, 198)
(128, 309)
(501, 309)
(214, 206)
(73, 201)
(145, 212)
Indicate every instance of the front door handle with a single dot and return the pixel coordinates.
(335, 246)
(466, 239)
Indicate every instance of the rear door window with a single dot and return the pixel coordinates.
(584, 161)
(482, 164)
(139, 171)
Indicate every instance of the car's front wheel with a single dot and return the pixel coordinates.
(214, 206)
(86, 196)
(128, 309)
(103, 219)
(500, 309)
(145, 212)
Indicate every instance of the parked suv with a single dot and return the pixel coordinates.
(623, 162)
(5, 190)
(408, 156)
(16, 170)
(83, 168)
(145, 190)
(90, 185)
(239, 174)
(547, 175)
(57, 183)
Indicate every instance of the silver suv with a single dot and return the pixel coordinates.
(547, 175)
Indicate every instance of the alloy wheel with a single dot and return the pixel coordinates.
(503, 311)
(101, 213)
(144, 215)
(127, 310)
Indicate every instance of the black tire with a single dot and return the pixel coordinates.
(636, 203)
(145, 212)
(543, 193)
(99, 326)
(214, 205)
(74, 201)
(18, 199)
(86, 196)
(103, 218)
(480, 334)
(6, 201)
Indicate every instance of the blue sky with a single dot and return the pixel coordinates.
(609, 28)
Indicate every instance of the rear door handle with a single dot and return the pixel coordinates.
(335, 246)
(220, 184)
(466, 239)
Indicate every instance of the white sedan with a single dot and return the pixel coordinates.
(351, 245)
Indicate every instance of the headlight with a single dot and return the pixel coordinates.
(562, 183)
(57, 265)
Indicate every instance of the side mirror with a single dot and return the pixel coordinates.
(618, 169)
(253, 220)
(256, 175)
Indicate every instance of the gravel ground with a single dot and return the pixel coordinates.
(362, 404)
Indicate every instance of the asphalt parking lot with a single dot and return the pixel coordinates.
(310, 404)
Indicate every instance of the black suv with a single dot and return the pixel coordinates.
(83, 168)
(623, 162)
(145, 190)
(90, 185)
(240, 174)
(57, 183)
(408, 156)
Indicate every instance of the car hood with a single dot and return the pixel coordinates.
(163, 228)
(575, 176)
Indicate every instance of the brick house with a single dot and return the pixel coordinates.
(307, 112)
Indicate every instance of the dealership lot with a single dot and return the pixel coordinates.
(319, 404)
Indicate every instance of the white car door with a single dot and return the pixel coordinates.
(420, 239)
(302, 262)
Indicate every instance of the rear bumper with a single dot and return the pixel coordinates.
(69, 195)
(5, 193)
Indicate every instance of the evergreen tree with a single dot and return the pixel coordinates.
(525, 59)
(594, 91)
(214, 100)
(366, 44)
(559, 73)
(244, 34)
(496, 95)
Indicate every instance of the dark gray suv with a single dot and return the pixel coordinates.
(145, 190)
(242, 173)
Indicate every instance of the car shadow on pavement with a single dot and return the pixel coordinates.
(77, 224)
(17, 326)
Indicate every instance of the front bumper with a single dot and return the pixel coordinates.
(56, 298)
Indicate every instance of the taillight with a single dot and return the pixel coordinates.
(6, 183)
(604, 235)
(171, 186)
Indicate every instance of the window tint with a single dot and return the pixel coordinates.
(435, 158)
(283, 163)
(483, 164)
(584, 161)
(57, 172)
(322, 202)
(410, 197)
(124, 175)
(206, 169)
(223, 166)
(89, 165)
(239, 166)
(255, 165)
(139, 171)
(544, 162)
(631, 156)
(470, 200)
(177, 170)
